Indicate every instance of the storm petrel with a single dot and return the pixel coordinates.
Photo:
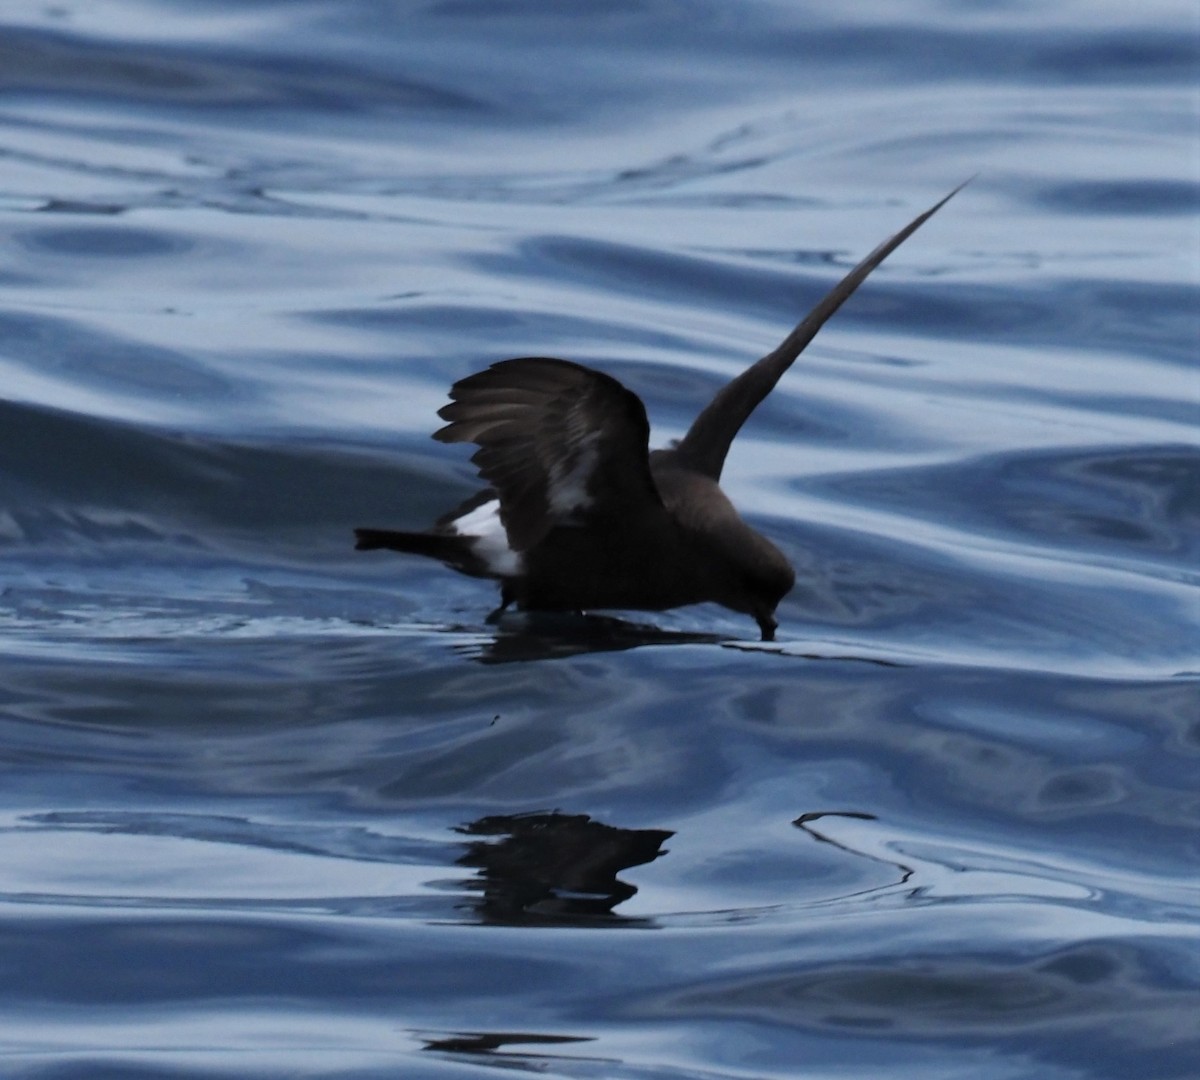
(580, 513)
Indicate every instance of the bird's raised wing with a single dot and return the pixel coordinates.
(707, 442)
(561, 444)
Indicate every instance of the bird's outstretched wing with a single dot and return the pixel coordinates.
(708, 440)
(561, 444)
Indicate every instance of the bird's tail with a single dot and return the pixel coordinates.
(449, 548)
(454, 550)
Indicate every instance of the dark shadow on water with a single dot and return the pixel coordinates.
(552, 869)
(553, 636)
(527, 636)
(783, 649)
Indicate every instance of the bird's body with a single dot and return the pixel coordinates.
(582, 515)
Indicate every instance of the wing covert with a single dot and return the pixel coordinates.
(558, 441)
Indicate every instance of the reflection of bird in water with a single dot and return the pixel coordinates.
(497, 1043)
(580, 514)
(553, 868)
(554, 636)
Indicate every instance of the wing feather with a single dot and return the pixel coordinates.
(707, 441)
(562, 444)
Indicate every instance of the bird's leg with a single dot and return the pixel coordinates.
(505, 600)
(767, 624)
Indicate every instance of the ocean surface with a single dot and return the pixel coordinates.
(273, 808)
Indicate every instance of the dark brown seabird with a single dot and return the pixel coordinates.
(580, 513)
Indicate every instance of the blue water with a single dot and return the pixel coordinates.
(272, 808)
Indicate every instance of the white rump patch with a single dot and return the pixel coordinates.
(491, 541)
(568, 487)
